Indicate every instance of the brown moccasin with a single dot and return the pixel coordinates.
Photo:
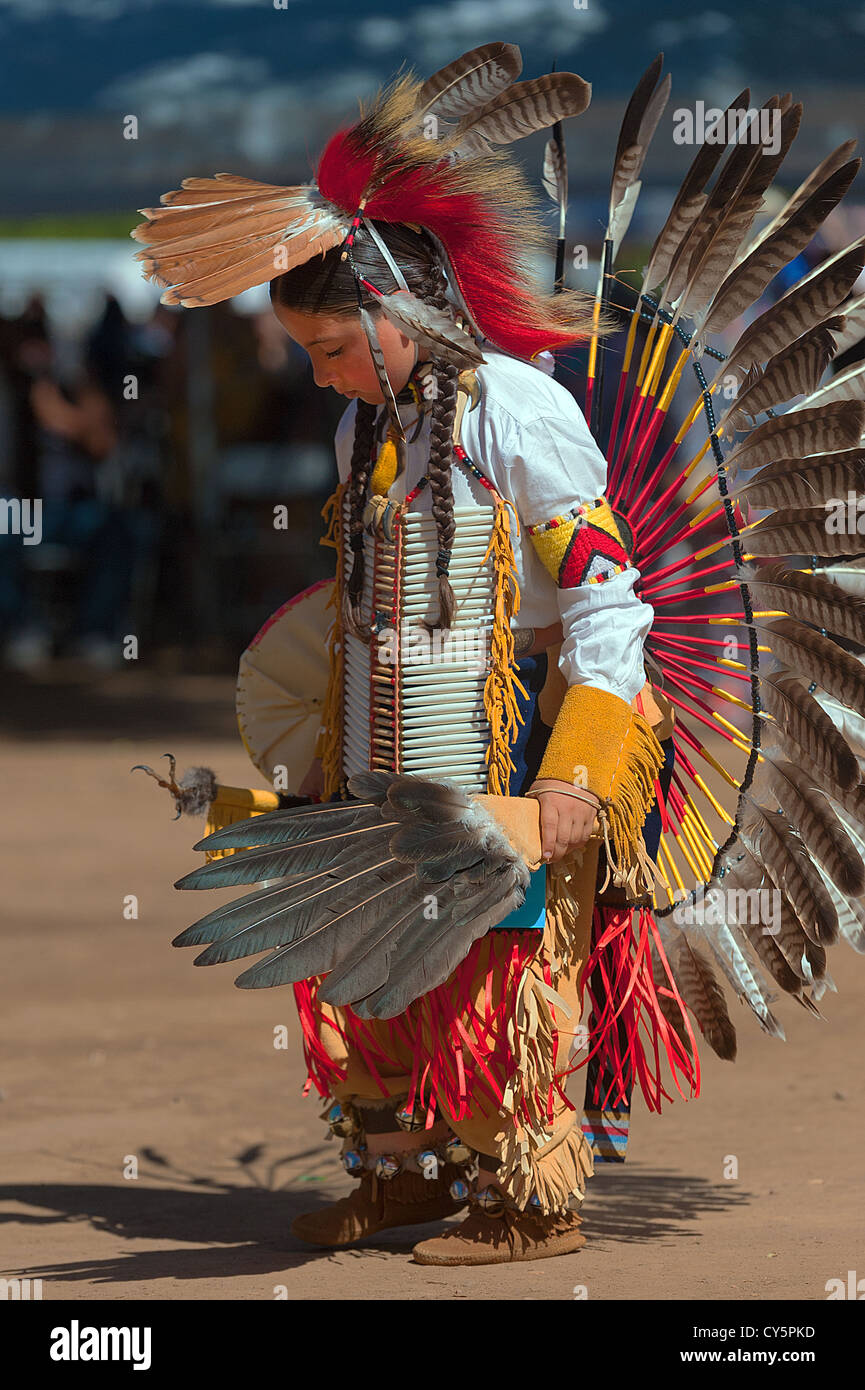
(503, 1237)
(409, 1199)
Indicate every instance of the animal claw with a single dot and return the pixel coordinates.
(171, 784)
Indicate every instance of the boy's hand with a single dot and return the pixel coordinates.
(566, 822)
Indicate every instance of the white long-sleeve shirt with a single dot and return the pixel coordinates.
(529, 437)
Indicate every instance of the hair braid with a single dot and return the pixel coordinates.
(444, 407)
(361, 468)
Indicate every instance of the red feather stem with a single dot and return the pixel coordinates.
(656, 477)
(676, 565)
(672, 518)
(646, 440)
(690, 530)
(699, 592)
(681, 755)
(699, 617)
(687, 646)
(614, 428)
(683, 579)
(710, 723)
(668, 493)
(703, 641)
(678, 804)
(662, 466)
(638, 405)
(684, 790)
(670, 663)
(716, 666)
(662, 806)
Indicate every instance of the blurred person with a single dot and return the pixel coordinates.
(77, 434)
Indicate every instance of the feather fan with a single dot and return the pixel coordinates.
(353, 896)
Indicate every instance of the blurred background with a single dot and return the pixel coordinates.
(120, 634)
(158, 502)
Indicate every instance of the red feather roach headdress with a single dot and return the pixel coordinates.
(428, 154)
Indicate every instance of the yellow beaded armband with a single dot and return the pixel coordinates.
(582, 546)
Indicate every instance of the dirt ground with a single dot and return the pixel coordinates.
(117, 1051)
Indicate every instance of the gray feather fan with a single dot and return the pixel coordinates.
(384, 894)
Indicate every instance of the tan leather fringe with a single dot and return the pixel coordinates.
(555, 1167)
(623, 812)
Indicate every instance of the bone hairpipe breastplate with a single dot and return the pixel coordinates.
(414, 703)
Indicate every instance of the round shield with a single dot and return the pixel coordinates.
(281, 686)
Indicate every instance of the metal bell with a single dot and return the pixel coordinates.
(339, 1122)
(352, 1161)
(489, 1199)
(411, 1120)
(428, 1162)
(387, 1166)
(455, 1151)
(459, 1190)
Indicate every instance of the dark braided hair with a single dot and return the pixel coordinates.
(326, 285)
(444, 407)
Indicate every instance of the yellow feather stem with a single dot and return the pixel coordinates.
(681, 841)
(731, 699)
(646, 355)
(704, 829)
(631, 339)
(701, 516)
(593, 341)
(722, 771)
(691, 417)
(665, 850)
(665, 882)
(691, 830)
(658, 359)
(673, 382)
(500, 702)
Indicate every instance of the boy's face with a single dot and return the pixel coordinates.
(340, 355)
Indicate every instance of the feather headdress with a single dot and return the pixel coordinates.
(429, 154)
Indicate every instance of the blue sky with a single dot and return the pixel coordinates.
(257, 86)
(86, 55)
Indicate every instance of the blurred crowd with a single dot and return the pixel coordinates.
(158, 451)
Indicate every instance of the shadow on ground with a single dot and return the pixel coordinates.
(234, 1230)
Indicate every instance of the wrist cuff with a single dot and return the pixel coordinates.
(601, 743)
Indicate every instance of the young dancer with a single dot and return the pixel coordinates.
(488, 711)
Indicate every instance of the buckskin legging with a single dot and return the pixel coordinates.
(499, 1087)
